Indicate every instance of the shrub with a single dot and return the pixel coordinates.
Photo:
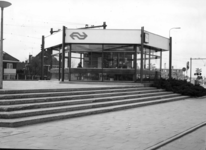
(180, 86)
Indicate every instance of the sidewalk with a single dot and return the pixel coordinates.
(137, 128)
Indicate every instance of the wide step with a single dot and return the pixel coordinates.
(62, 93)
(42, 111)
(29, 107)
(52, 117)
(84, 101)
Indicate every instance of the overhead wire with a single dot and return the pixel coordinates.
(46, 23)
(22, 35)
(36, 26)
(47, 20)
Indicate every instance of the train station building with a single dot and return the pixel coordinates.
(105, 54)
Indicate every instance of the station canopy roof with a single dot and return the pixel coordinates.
(107, 36)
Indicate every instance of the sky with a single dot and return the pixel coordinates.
(25, 21)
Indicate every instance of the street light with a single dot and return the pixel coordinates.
(170, 53)
(3, 4)
(174, 28)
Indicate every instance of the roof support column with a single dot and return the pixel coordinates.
(141, 50)
(160, 63)
(135, 63)
(70, 60)
(170, 58)
(50, 57)
(60, 64)
(149, 63)
(42, 58)
(102, 63)
(63, 52)
(190, 70)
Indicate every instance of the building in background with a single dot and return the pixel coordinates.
(33, 66)
(176, 74)
(20, 71)
(9, 67)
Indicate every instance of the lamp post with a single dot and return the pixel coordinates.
(3, 4)
(170, 53)
(174, 28)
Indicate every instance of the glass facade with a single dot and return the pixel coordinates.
(107, 62)
(102, 62)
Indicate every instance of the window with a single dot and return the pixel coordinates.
(9, 77)
(12, 77)
(9, 65)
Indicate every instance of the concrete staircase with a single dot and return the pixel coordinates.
(24, 107)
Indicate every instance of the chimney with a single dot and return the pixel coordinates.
(30, 58)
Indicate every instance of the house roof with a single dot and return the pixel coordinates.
(7, 57)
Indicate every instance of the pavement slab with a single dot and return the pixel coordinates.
(137, 128)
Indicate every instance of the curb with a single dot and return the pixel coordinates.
(175, 137)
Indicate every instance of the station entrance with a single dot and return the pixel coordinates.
(107, 58)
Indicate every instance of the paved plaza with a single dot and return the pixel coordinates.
(132, 129)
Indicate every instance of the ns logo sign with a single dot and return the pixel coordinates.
(79, 36)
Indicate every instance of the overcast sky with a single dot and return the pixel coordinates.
(25, 21)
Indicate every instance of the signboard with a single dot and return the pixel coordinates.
(157, 41)
(108, 36)
(53, 40)
(103, 36)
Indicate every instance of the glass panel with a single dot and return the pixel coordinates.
(86, 48)
(118, 48)
(151, 64)
(86, 56)
(154, 65)
(80, 76)
(155, 60)
(138, 64)
(117, 77)
(55, 61)
(55, 52)
(92, 60)
(76, 61)
(86, 62)
(138, 58)
(118, 63)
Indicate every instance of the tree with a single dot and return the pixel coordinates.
(35, 66)
(184, 69)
